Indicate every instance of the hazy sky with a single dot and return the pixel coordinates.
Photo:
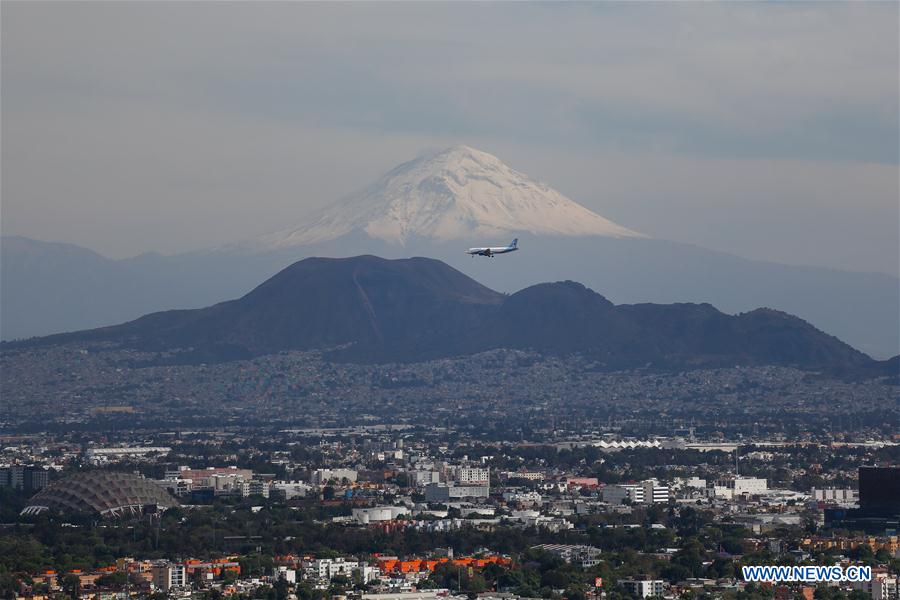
(767, 130)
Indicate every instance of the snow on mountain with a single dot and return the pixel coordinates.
(458, 193)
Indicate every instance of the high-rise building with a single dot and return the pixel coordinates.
(879, 488)
(27, 478)
(879, 502)
(36, 479)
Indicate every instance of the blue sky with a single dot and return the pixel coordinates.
(768, 130)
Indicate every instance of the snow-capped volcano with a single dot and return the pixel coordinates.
(456, 194)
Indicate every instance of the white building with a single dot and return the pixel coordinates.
(528, 475)
(290, 489)
(473, 475)
(367, 573)
(737, 486)
(843, 497)
(644, 588)
(289, 575)
(323, 476)
(376, 514)
(880, 587)
(646, 492)
(654, 493)
(694, 483)
(326, 568)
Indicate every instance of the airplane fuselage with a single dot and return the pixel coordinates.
(491, 251)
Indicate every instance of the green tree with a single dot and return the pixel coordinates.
(71, 586)
(281, 589)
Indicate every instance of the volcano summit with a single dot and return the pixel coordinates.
(457, 194)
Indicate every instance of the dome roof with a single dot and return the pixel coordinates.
(108, 493)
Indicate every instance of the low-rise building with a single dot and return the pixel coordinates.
(734, 487)
(375, 514)
(881, 587)
(167, 575)
(289, 489)
(284, 572)
(325, 568)
(842, 497)
(473, 476)
(323, 476)
(649, 491)
(254, 488)
(444, 493)
(644, 588)
(102, 455)
(574, 554)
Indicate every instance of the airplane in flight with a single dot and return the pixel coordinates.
(490, 252)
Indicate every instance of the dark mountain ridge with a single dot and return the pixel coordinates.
(50, 288)
(370, 309)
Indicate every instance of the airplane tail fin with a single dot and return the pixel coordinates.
(514, 243)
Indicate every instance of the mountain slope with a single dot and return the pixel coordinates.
(48, 287)
(372, 309)
(411, 307)
(566, 317)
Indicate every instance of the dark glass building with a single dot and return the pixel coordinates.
(879, 503)
(879, 488)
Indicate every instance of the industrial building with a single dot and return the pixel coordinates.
(375, 514)
(437, 492)
(734, 487)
